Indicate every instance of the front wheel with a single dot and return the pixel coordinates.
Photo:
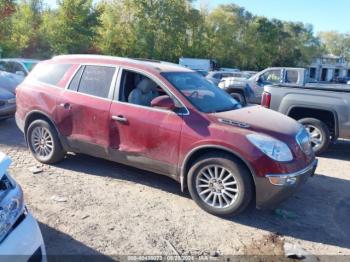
(220, 185)
(320, 136)
(44, 143)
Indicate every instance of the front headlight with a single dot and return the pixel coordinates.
(11, 206)
(303, 140)
(273, 148)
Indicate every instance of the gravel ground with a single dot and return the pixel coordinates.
(89, 206)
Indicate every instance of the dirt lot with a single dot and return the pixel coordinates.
(91, 206)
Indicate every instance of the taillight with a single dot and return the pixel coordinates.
(266, 99)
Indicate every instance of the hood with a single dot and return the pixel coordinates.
(260, 119)
(5, 162)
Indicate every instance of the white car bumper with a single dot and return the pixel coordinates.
(24, 242)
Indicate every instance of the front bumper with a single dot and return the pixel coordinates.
(268, 196)
(24, 243)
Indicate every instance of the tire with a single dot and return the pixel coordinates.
(319, 132)
(240, 98)
(241, 176)
(51, 150)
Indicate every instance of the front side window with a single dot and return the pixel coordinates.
(205, 96)
(292, 76)
(49, 73)
(217, 76)
(139, 89)
(271, 77)
(226, 75)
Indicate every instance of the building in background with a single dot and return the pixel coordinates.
(329, 68)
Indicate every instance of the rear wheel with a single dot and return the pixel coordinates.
(220, 184)
(319, 134)
(44, 143)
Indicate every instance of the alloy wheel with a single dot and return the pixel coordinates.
(316, 136)
(42, 142)
(217, 186)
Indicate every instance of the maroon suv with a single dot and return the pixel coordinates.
(166, 119)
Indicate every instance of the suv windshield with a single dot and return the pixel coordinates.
(205, 96)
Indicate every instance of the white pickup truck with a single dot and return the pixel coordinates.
(250, 90)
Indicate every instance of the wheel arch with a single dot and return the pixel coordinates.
(37, 114)
(326, 115)
(196, 152)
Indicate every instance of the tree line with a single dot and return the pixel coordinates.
(160, 29)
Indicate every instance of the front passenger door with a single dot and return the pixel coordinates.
(141, 135)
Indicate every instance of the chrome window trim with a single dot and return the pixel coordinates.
(157, 81)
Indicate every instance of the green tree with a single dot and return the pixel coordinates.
(116, 33)
(336, 43)
(25, 28)
(226, 27)
(7, 9)
(70, 28)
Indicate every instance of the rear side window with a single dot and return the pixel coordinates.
(96, 80)
(50, 73)
(74, 84)
(292, 76)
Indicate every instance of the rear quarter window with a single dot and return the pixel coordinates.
(49, 73)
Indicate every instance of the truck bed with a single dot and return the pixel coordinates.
(320, 86)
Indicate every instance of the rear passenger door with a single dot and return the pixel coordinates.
(83, 109)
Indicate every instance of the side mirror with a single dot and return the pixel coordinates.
(258, 79)
(20, 73)
(164, 102)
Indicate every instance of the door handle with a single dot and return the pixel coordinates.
(65, 106)
(120, 118)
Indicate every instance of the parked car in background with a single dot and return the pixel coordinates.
(20, 235)
(228, 69)
(7, 104)
(198, 64)
(202, 72)
(18, 66)
(10, 81)
(250, 90)
(324, 111)
(343, 80)
(166, 119)
(216, 76)
(236, 76)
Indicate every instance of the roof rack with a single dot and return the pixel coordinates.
(147, 60)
